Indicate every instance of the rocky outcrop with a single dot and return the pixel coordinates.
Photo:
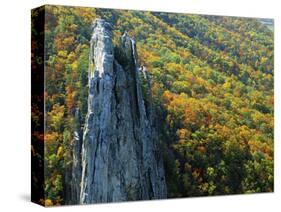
(121, 159)
(76, 160)
(73, 170)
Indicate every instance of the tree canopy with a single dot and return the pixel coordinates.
(212, 88)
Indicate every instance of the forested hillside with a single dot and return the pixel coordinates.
(212, 88)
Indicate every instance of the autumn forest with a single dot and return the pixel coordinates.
(211, 87)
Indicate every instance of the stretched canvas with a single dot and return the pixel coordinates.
(139, 105)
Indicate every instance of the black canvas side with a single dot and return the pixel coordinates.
(37, 105)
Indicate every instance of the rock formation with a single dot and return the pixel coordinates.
(121, 160)
(76, 161)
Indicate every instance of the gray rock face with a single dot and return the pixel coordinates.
(76, 162)
(73, 171)
(121, 159)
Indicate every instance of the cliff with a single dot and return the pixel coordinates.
(121, 159)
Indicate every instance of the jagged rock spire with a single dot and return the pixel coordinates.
(121, 160)
(101, 49)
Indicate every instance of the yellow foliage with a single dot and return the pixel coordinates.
(74, 66)
(68, 41)
(62, 53)
(59, 152)
(48, 202)
(226, 85)
(183, 133)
